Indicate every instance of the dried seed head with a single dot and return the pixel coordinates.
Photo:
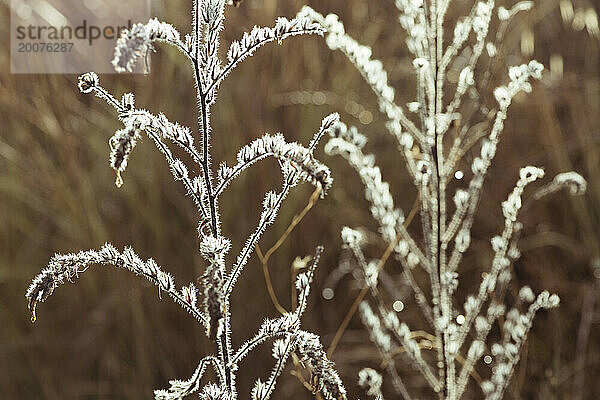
(88, 82)
(40, 289)
(214, 392)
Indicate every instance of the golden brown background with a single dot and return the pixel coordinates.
(109, 336)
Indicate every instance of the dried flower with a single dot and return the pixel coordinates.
(431, 162)
(210, 303)
(88, 82)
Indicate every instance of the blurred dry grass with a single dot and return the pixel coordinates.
(109, 336)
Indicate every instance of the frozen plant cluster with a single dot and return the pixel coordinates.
(209, 303)
(446, 120)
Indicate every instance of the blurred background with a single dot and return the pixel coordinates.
(110, 336)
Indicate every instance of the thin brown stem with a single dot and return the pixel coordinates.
(270, 288)
(361, 295)
(264, 258)
(295, 221)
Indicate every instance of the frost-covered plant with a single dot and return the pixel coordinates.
(209, 304)
(446, 120)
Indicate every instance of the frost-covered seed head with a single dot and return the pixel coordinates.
(526, 294)
(88, 82)
(370, 380)
(212, 247)
(214, 392)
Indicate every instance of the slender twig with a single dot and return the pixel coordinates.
(363, 292)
